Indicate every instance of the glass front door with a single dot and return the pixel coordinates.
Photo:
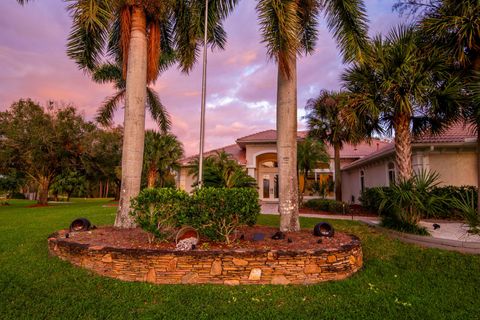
(270, 187)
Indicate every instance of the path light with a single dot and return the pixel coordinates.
(204, 93)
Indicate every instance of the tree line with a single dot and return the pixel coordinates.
(52, 150)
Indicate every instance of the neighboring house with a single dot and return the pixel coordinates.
(451, 154)
(258, 154)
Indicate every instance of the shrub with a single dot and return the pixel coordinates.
(407, 201)
(217, 212)
(370, 198)
(160, 211)
(468, 209)
(453, 194)
(328, 205)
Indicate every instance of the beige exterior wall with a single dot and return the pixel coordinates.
(185, 180)
(455, 166)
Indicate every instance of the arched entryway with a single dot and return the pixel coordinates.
(267, 176)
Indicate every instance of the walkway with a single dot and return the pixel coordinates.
(450, 235)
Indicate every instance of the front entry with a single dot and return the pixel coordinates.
(269, 187)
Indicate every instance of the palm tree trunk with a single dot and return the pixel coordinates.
(338, 173)
(152, 175)
(403, 146)
(134, 120)
(287, 148)
(476, 68)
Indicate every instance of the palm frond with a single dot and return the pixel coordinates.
(108, 108)
(348, 21)
(89, 33)
(158, 111)
(109, 73)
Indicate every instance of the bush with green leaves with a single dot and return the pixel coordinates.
(453, 194)
(407, 201)
(160, 211)
(328, 205)
(370, 198)
(467, 206)
(217, 212)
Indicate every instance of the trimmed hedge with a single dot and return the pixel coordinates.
(328, 205)
(215, 212)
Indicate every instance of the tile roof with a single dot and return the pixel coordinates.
(234, 149)
(266, 136)
(456, 133)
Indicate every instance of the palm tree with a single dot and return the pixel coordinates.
(310, 152)
(222, 171)
(327, 120)
(112, 73)
(407, 88)
(162, 155)
(139, 34)
(289, 27)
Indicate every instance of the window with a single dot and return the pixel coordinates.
(270, 164)
(391, 173)
(362, 181)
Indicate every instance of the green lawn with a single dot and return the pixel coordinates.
(399, 281)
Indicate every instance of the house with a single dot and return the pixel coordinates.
(451, 154)
(258, 154)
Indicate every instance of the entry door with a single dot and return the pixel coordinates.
(270, 186)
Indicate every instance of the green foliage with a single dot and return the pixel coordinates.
(370, 198)
(217, 212)
(468, 208)
(160, 211)
(407, 201)
(221, 171)
(327, 205)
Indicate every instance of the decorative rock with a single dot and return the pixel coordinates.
(186, 244)
(107, 258)
(311, 268)
(216, 269)
(255, 274)
(271, 255)
(96, 248)
(258, 236)
(190, 277)
(239, 262)
(352, 259)
(172, 265)
(280, 280)
(151, 276)
(231, 282)
(331, 259)
(279, 235)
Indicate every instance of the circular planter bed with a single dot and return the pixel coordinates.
(300, 258)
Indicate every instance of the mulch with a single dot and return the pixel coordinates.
(355, 209)
(108, 236)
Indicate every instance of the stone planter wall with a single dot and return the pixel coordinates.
(217, 267)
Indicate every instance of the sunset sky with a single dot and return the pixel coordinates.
(241, 80)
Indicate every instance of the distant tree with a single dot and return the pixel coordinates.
(68, 182)
(43, 141)
(220, 170)
(328, 120)
(162, 155)
(310, 153)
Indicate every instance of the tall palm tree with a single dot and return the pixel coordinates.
(310, 152)
(162, 155)
(112, 73)
(328, 120)
(138, 34)
(407, 88)
(289, 28)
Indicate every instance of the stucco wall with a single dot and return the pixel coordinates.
(455, 168)
(185, 180)
(253, 149)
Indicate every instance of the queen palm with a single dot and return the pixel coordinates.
(138, 34)
(407, 88)
(328, 120)
(310, 152)
(112, 73)
(289, 27)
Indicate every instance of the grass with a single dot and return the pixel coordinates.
(399, 281)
